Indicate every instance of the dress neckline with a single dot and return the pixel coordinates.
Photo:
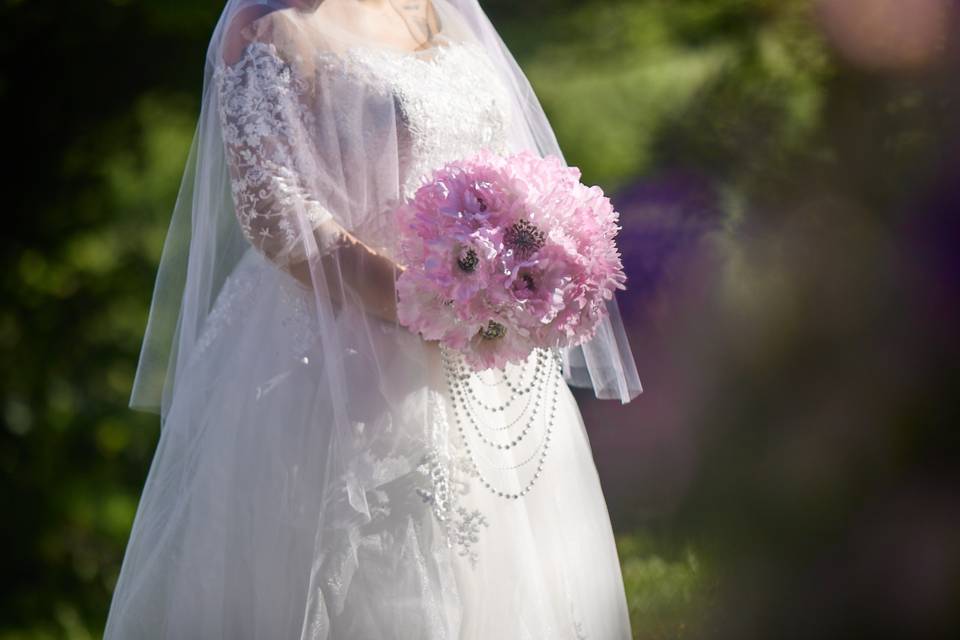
(443, 46)
(431, 55)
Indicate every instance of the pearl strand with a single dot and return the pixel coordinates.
(496, 383)
(513, 467)
(544, 447)
(471, 401)
(457, 395)
(515, 391)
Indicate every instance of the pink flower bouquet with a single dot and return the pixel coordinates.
(504, 255)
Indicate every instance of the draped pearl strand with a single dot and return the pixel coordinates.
(541, 388)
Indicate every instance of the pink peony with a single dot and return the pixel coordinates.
(507, 254)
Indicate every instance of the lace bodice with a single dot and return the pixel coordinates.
(443, 104)
(451, 101)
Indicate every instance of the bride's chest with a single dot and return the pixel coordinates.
(442, 108)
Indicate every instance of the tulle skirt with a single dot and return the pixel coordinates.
(258, 520)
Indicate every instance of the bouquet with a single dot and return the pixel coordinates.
(505, 255)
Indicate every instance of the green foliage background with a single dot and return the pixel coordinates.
(816, 166)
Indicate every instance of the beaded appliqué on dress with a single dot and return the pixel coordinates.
(447, 475)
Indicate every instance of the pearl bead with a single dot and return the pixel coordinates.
(464, 394)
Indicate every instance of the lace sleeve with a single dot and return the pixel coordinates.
(266, 123)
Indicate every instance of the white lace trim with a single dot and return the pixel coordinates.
(261, 109)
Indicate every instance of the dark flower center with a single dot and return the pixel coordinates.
(525, 238)
(468, 261)
(528, 281)
(493, 331)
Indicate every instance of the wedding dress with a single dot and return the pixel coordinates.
(321, 471)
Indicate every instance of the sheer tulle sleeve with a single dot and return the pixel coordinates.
(262, 112)
(280, 114)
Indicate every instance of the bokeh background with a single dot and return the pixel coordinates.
(787, 172)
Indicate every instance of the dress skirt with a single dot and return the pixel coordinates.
(259, 520)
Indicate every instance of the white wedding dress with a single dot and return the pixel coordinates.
(464, 506)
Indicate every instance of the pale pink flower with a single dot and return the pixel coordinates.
(506, 254)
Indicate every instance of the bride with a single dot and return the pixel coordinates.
(321, 471)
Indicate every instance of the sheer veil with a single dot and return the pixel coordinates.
(335, 147)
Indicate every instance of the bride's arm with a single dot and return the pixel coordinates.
(354, 271)
(268, 153)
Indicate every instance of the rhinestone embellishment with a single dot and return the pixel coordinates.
(468, 261)
(461, 525)
(447, 476)
(493, 331)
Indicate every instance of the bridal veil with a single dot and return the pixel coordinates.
(295, 194)
(295, 410)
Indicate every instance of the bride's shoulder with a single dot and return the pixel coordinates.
(280, 24)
